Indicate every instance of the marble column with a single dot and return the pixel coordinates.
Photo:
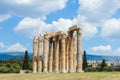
(53, 65)
(50, 56)
(60, 56)
(46, 48)
(34, 55)
(56, 67)
(66, 55)
(40, 54)
(70, 52)
(79, 51)
(74, 53)
(63, 53)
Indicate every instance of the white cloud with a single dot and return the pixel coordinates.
(98, 10)
(16, 48)
(101, 49)
(31, 8)
(4, 17)
(117, 51)
(111, 28)
(31, 26)
(36, 26)
(2, 45)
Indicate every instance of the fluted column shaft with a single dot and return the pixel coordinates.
(67, 56)
(79, 51)
(60, 56)
(63, 53)
(50, 56)
(46, 42)
(34, 55)
(70, 52)
(39, 54)
(74, 53)
(56, 67)
(53, 65)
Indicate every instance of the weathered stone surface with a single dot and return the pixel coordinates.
(60, 56)
(76, 27)
(40, 53)
(25, 71)
(50, 34)
(46, 48)
(74, 53)
(79, 51)
(63, 52)
(34, 55)
(56, 67)
(59, 51)
(66, 55)
(50, 56)
(53, 55)
(70, 52)
(59, 33)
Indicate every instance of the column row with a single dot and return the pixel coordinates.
(58, 53)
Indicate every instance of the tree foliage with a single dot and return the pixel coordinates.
(84, 61)
(26, 61)
(13, 65)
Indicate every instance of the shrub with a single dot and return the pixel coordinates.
(90, 69)
(108, 68)
(15, 68)
(4, 69)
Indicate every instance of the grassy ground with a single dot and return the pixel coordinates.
(63, 76)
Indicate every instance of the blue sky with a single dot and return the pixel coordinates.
(20, 20)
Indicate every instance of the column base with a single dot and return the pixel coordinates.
(39, 72)
(34, 72)
(45, 72)
(80, 71)
(63, 72)
(71, 71)
(50, 72)
(57, 72)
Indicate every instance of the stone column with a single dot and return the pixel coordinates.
(53, 54)
(46, 48)
(50, 55)
(79, 51)
(56, 67)
(60, 56)
(70, 52)
(63, 53)
(34, 55)
(74, 53)
(66, 58)
(40, 54)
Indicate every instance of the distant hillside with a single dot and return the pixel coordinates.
(99, 58)
(7, 55)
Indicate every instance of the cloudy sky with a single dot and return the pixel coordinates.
(20, 20)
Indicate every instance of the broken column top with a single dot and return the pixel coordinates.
(63, 35)
(35, 39)
(49, 34)
(73, 28)
(41, 37)
(59, 33)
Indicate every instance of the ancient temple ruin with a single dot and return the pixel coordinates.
(58, 52)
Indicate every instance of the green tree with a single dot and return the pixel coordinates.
(84, 61)
(26, 61)
(103, 65)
